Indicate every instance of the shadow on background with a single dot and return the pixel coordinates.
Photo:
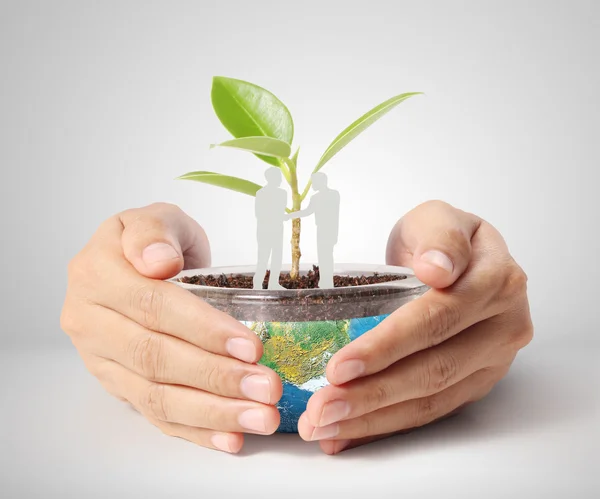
(537, 394)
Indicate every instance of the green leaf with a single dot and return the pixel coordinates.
(360, 125)
(231, 183)
(266, 146)
(247, 110)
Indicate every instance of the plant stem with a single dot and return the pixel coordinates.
(296, 206)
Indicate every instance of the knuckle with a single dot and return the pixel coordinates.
(99, 370)
(427, 410)
(68, 323)
(94, 366)
(111, 389)
(147, 357)
(209, 416)
(439, 371)
(128, 214)
(210, 377)
(139, 220)
(72, 322)
(153, 215)
(437, 322)
(379, 396)
(168, 430)
(370, 424)
(515, 282)
(507, 279)
(522, 336)
(149, 301)
(107, 380)
(435, 204)
(154, 402)
(165, 207)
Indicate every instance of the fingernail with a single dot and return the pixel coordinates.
(221, 442)
(257, 387)
(325, 432)
(439, 259)
(333, 412)
(242, 349)
(159, 252)
(340, 445)
(253, 420)
(349, 370)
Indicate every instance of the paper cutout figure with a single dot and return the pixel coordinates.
(270, 207)
(325, 204)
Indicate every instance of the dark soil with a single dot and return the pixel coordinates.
(308, 281)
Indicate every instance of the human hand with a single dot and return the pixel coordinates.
(437, 353)
(187, 367)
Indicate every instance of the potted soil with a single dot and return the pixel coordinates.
(302, 313)
(302, 328)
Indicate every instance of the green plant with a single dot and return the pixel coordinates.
(263, 125)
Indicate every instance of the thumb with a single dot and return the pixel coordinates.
(434, 240)
(160, 240)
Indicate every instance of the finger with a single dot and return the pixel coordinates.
(160, 240)
(191, 407)
(226, 442)
(420, 324)
(434, 240)
(422, 374)
(406, 415)
(101, 275)
(492, 286)
(333, 447)
(166, 359)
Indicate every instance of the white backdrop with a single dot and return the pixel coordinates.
(104, 104)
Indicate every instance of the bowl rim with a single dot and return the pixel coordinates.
(409, 284)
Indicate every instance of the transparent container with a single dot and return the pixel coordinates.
(302, 329)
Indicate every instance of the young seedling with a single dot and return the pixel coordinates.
(263, 125)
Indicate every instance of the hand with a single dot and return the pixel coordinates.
(187, 367)
(437, 353)
(286, 217)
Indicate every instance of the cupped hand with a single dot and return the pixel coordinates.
(188, 368)
(437, 353)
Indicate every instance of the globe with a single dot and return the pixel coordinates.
(299, 352)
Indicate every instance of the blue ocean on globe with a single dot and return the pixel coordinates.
(291, 406)
(360, 326)
(295, 397)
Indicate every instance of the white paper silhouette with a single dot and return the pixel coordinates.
(270, 206)
(325, 204)
(270, 213)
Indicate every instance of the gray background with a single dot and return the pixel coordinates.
(102, 104)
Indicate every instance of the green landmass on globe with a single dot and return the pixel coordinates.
(299, 351)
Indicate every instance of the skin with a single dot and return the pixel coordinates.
(438, 353)
(191, 370)
(187, 367)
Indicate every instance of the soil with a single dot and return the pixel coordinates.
(308, 281)
(351, 300)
